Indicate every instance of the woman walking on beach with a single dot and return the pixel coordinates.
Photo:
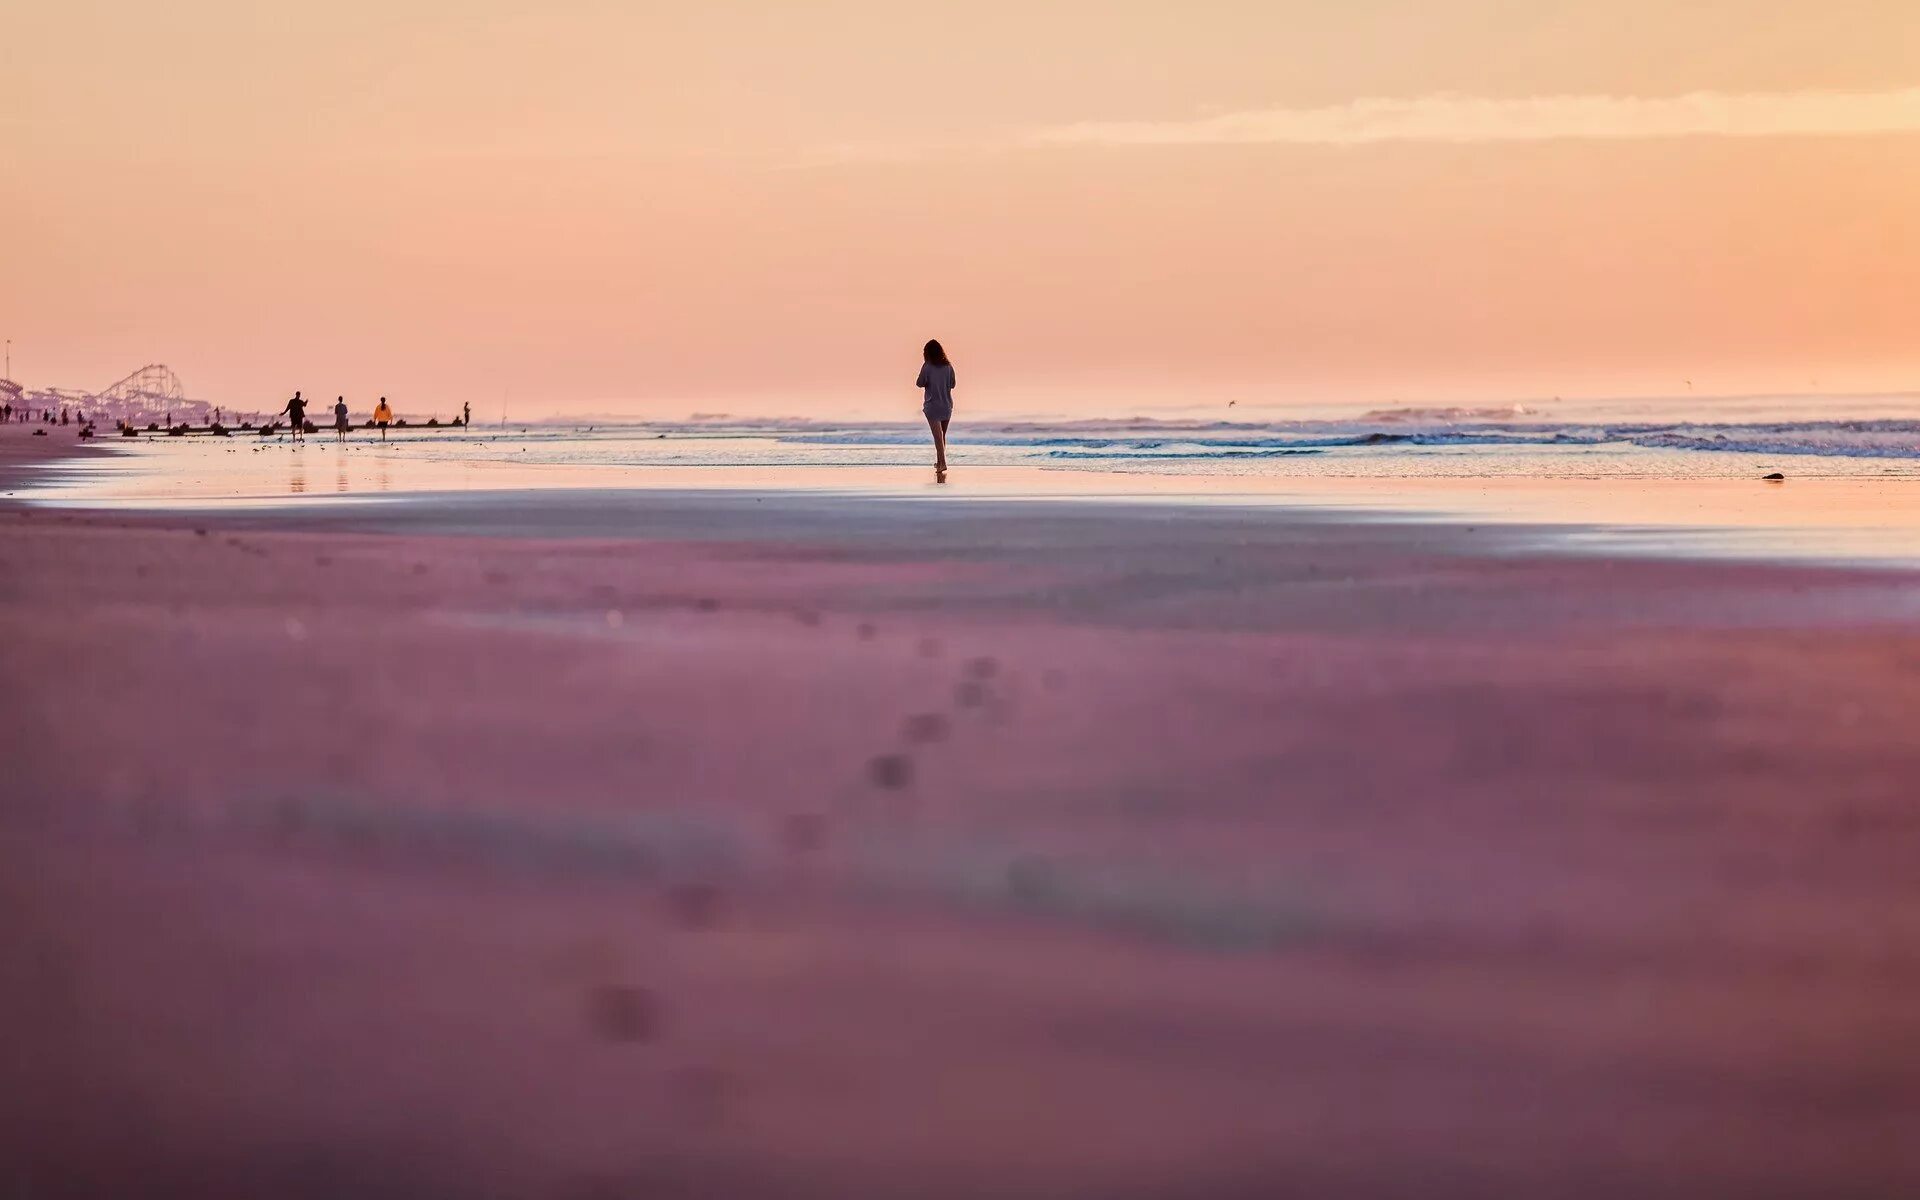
(383, 417)
(936, 381)
(340, 417)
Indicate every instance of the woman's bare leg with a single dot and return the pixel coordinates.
(939, 429)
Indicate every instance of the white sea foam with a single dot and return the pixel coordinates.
(1377, 433)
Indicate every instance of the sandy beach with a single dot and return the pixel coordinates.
(603, 843)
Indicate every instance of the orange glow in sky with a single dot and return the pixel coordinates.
(650, 208)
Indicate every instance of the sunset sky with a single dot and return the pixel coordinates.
(651, 208)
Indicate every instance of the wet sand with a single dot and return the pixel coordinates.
(1828, 511)
(596, 844)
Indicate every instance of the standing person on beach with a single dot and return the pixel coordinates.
(383, 417)
(936, 381)
(340, 417)
(466, 415)
(296, 412)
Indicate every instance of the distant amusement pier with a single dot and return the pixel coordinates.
(150, 395)
(153, 399)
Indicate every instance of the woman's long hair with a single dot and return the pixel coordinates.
(935, 354)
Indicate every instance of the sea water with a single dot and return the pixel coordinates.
(1851, 464)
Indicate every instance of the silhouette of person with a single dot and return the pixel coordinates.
(383, 417)
(340, 417)
(296, 411)
(937, 383)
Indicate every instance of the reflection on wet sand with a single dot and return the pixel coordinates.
(1832, 518)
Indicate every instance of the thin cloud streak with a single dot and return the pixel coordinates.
(1454, 118)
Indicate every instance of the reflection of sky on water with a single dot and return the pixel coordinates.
(1625, 497)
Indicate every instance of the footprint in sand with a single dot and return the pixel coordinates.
(923, 728)
(891, 771)
(622, 1013)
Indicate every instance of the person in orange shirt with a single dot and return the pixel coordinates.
(383, 417)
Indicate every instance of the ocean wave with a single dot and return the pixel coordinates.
(1502, 412)
(1387, 430)
(1104, 455)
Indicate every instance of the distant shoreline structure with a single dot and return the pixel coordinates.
(153, 397)
(152, 394)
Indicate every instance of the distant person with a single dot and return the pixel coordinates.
(936, 380)
(296, 411)
(466, 415)
(340, 417)
(63, 415)
(383, 417)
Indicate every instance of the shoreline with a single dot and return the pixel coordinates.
(579, 843)
(1845, 522)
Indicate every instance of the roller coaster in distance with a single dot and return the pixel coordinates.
(152, 400)
(150, 395)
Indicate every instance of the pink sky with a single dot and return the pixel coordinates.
(650, 208)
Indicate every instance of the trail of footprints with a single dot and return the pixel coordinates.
(620, 1012)
(895, 770)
